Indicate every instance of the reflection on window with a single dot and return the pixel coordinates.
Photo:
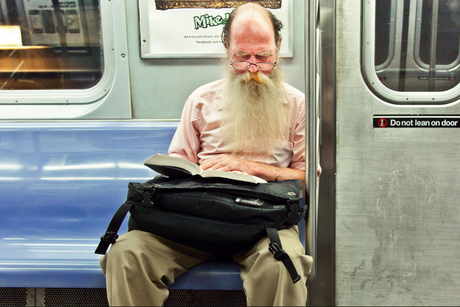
(383, 41)
(447, 34)
(50, 44)
(425, 37)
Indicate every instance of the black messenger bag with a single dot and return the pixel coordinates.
(212, 214)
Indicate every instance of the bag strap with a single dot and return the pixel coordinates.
(111, 235)
(279, 254)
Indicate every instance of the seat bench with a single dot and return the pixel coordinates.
(60, 184)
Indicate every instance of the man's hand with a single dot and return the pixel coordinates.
(227, 163)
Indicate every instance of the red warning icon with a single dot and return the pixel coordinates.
(382, 122)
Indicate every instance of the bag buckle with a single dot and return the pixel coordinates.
(110, 237)
(147, 199)
(277, 251)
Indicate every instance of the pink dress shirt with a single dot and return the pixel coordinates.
(198, 136)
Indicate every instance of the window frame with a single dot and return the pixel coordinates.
(83, 103)
(369, 70)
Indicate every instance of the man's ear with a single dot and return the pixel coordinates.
(278, 43)
(224, 40)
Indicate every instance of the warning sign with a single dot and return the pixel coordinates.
(416, 121)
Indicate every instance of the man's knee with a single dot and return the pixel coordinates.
(135, 252)
(125, 248)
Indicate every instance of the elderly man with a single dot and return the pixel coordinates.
(249, 122)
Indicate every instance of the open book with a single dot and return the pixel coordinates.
(177, 167)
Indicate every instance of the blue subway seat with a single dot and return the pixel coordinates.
(60, 184)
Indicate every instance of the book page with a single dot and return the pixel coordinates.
(233, 176)
(178, 167)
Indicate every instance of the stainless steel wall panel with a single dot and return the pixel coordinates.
(397, 213)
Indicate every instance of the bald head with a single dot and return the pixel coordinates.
(256, 17)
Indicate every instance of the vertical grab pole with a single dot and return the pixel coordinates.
(433, 44)
(312, 79)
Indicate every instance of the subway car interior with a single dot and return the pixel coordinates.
(89, 89)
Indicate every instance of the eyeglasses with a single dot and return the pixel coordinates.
(245, 65)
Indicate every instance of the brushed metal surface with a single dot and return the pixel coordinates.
(322, 289)
(397, 213)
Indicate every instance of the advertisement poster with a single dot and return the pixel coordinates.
(192, 29)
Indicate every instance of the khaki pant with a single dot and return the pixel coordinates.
(140, 265)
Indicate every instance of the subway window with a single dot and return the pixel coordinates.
(384, 33)
(411, 49)
(445, 46)
(50, 44)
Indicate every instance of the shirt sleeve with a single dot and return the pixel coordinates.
(299, 146)
(186, 143)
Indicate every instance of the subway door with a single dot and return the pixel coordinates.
(397, 152)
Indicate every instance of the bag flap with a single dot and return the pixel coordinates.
(286, 190)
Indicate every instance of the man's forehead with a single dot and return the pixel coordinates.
(253, 32)
(247, 44)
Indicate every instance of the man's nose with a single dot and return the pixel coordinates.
(253, 68)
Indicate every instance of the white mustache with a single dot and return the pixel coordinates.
(254, 76)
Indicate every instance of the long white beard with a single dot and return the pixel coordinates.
(254, 116)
